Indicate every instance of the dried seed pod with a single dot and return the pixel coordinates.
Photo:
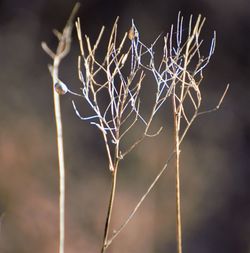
(61, 88)
(132, 33)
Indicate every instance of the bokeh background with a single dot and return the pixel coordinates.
(215, 156)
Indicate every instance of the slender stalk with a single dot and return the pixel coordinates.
(176, 114)
(110, 208)
(138, 205)
(59, 137)
(63, 48)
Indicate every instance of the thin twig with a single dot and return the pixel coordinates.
(217, 107)
(177, 116)
(138, 205)
(197, 114)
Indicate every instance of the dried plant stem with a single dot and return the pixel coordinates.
(177, 167)
(59, 131)
(62, 50)
(138, 205)
(110, 208)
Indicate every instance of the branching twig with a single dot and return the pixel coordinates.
(217, 107)
(185, 89)
(122, 111)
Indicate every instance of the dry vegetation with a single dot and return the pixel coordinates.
(111, 87)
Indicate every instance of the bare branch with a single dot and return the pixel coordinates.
(47, 50)
(217, 107)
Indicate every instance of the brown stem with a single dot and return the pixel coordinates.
(61, 51)
(60, 149)
(138, 205)
(110, 208)
(176, 114)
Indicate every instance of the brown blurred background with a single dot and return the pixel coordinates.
(215, 155)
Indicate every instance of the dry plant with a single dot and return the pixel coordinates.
(111, 87)
(63, 48)
(121, 88)
(184, 63)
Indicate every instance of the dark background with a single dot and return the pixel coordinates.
(215, 155)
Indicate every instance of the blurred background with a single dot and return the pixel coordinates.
(215, 155)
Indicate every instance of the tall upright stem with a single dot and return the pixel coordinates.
(177, 164)
(62, 50)
(59, 137)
